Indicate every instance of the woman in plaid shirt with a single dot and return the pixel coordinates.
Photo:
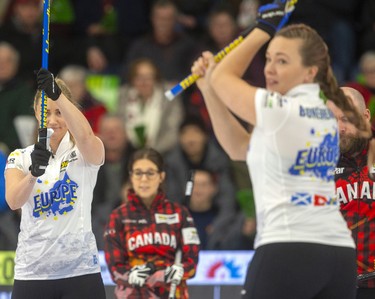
(144, 234)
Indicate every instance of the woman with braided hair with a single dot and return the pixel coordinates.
(304, 249)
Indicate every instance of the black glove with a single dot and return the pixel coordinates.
(273, 16)
(46, 82)
(39, 160)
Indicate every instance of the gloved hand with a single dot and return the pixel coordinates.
(139, 274)
(273, 16)
(46, 82)
(39, 160)
(174, 274)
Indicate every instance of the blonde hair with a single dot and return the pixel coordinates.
(65, 90)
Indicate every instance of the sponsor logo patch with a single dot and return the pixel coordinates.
(307, 199)
(167, 218)
(190, 236)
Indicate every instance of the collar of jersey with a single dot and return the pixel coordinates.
(135, 200)
(64, 145)
(307, 89)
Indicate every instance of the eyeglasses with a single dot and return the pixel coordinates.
(138, 174)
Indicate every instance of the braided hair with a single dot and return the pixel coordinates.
(314, 52)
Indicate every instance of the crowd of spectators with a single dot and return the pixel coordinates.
(149, 46)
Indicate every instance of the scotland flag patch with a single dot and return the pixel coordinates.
(302, 199)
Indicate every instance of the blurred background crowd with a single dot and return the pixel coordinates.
(120, 56)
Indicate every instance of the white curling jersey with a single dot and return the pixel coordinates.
(292, 157)
(56, 240)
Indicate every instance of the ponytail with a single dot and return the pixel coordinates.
(314, 52)
(334, 93)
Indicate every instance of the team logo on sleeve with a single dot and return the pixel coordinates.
(11, 161)
(274, 99)
(190, 236)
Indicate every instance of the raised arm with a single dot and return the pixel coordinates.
(89, 145)
(230, 133)
(227, 82)
(226, 79)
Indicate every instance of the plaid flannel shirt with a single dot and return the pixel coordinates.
(355, 191)
(136, 235)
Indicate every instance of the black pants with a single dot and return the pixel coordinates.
(301, 271)
(365, 293)
(79, 287)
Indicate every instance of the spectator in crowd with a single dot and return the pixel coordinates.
(144, 234)
(367, 26)
(242, 232)
(150, 118)
(365, 82)
(192, 15)
(201, 204)
(97, 28)
(108, 28)
(3, 10)
(133, 19)
(196, 150)
(23, 30)
(113, 173)
(355, 191)
(63, 31)
(221, 30)
(336, 24)
(247, 13)
(16, 96)
(172, 51)
(75, 77)
(235, 232)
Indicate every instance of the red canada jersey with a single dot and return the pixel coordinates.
(136, 235)
(355, 193)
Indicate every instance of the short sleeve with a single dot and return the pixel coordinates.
(272, 109)
(16, 160)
